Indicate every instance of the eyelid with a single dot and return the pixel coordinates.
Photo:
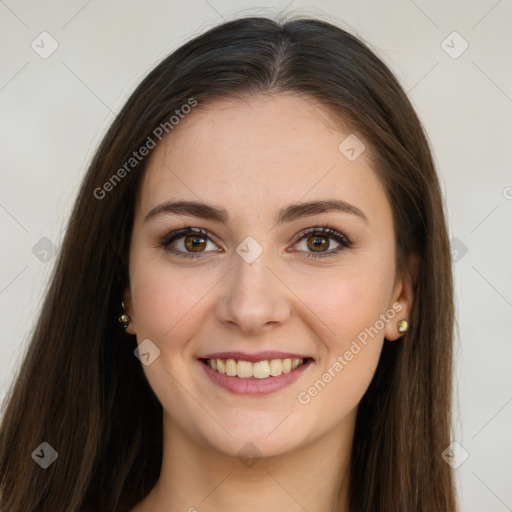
(323, 230)
(182, 232)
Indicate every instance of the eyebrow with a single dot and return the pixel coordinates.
(289, 213)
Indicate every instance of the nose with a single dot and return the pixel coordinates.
(253, 299)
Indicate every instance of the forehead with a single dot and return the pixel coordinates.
(259, 153)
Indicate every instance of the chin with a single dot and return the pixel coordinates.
(255, 441)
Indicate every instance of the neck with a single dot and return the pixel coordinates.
(196, 477)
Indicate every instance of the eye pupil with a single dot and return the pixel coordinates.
(320, 242)
(194, 242)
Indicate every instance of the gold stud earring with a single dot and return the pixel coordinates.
(402, 326)
(124, 319)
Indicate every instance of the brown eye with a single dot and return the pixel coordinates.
(318, 243)
(188, 242)
(195, 243)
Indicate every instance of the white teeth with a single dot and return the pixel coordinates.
(276, 368)
(258, 370)
(261, 369)
(244, 369)
(231, 367)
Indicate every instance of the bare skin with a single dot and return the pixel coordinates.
(253, 158)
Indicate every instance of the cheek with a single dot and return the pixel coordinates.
(166, 299)
(351, 307)
(347, 300)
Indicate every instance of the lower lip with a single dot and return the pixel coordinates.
(255, 386)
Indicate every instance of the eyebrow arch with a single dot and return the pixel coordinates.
(289, 213)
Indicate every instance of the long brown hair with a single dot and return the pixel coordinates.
(82, 390)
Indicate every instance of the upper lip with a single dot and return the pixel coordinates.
(254, 358)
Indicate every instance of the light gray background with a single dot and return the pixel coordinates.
(55, 111)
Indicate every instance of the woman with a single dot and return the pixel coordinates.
(252, 307)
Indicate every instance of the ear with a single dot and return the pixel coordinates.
(403, 294)
(128, 309)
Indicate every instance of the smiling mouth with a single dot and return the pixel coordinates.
(258, 370)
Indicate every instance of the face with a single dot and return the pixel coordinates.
(260, 280)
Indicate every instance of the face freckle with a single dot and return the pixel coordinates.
(252, 159)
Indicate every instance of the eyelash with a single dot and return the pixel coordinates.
(344, 241)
